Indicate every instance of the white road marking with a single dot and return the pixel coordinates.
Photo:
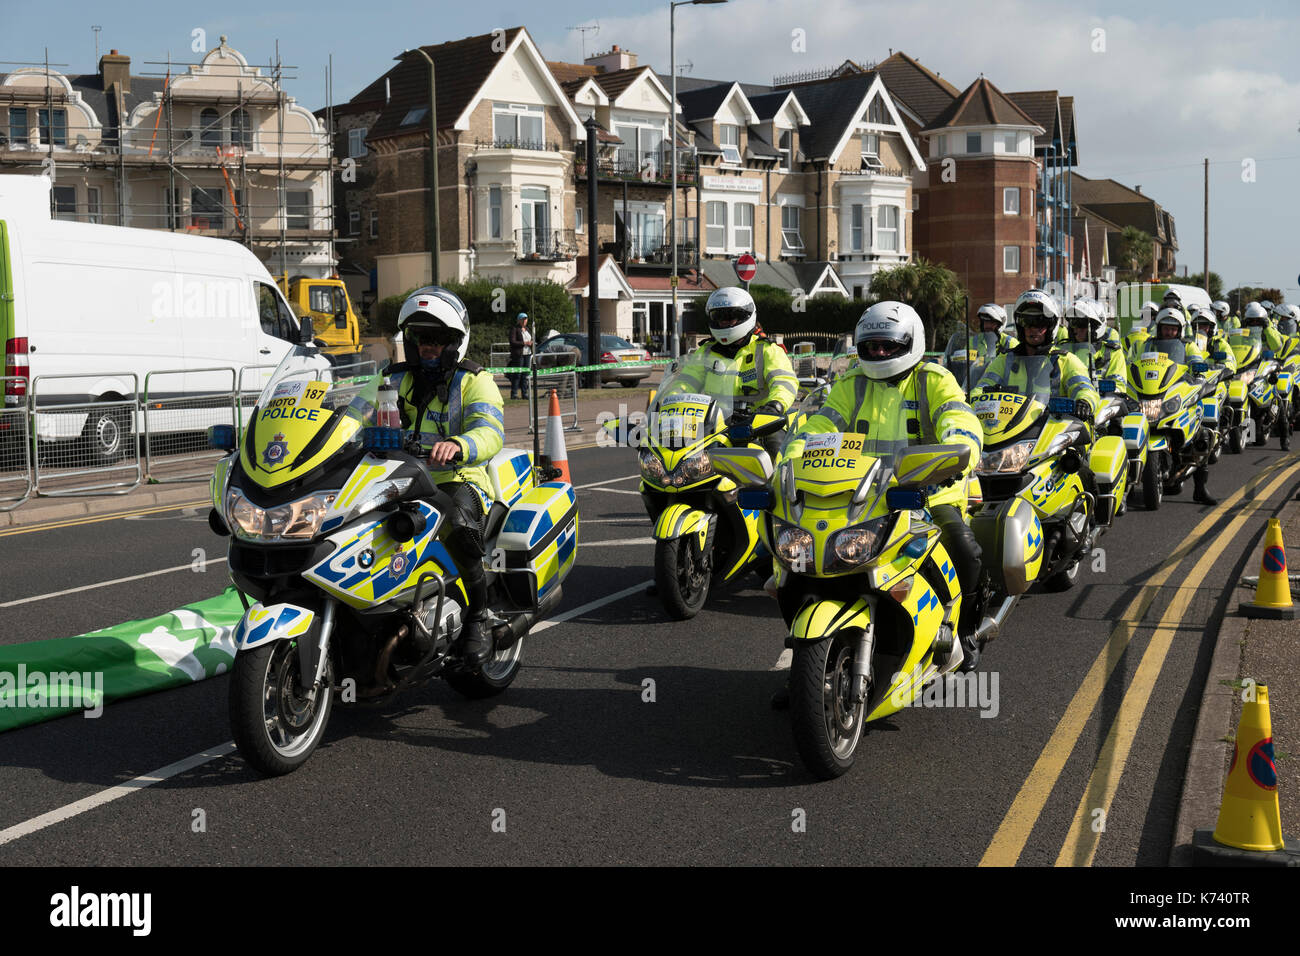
(19, 830)
(618, 491)
(640, 519)
(783, 662)
(617, 542)
(104, 584)
(607, 481)
(591, 606)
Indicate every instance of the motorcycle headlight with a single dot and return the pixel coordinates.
(652, 467)
(1151, 409)
(794, 546)
(695, 468)
(856, 545)
(298, 520)
(1171, 407)
(1006, 460)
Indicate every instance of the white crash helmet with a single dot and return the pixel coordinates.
(1255, 310)
(1087, 309)
(1289, 324)
(1206, 315)
(1221, 309)
(894, 322)
(1173, 315)
(433, 307)
(1036, 303)
(995, 313)
(732, 315)
(1148, 313)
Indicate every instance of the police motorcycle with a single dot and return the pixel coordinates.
(1035, 449)
(869, 594)
(1114, 419)
(1255, 391)
(1288, 358)
(703, 537)
(1181, 411)
(335, 527)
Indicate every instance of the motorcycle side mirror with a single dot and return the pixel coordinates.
(932, 464)
(747, 467)
(305, 333)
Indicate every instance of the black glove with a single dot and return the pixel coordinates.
(770, 408)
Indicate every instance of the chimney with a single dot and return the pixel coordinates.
(1137, 189)
(115, 68)
(616, 59)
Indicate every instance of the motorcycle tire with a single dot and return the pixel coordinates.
(1262, 435)
(1152, 492)
(1236, 440)
(1064, 580)
(498, 673)
(675, 567)
(827, 728)
(274, 727)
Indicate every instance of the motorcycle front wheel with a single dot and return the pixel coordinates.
(827, 724)
(498, 673)
(682, 578)
(275, 726)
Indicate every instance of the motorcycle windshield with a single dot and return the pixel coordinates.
(967, 355)
(317, 401)
(1085, 352)
(833, 463)
(1175, 349)
(1288, 327)
(696, 399)
(1246, 335)
(1034, 377)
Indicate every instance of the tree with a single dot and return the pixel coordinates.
(1243, 295)
(933, 290)
(1135, 249)
(1198, 279)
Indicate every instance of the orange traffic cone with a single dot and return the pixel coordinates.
(1249, 818)
(556, 453)
(1273, 594)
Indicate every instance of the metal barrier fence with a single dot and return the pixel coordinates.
(249, 384)
(73, 439)
(15, 450)
(565, 385)
(176, 422)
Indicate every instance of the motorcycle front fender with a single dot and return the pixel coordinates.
(817, 620)
(678, 520)
(264, 624)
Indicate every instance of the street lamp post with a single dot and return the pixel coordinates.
(672, 142)
(431, 220)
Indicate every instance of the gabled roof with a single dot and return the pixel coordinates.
(565, 73)
(981, 104)
(1067, 117)
(574, 88)
(1087, 191)
(922, 91)
(608, 271)
(1043, 107)
(770, 105)
(832, 105)
(703, 104)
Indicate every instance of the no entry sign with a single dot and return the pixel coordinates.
(746, 267)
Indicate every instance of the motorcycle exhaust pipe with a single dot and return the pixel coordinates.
(505, 635)
(990, 626)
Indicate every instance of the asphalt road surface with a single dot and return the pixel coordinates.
(630, 738)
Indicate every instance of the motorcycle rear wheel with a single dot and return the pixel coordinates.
(498, 673)
(827, 725)
(682, 580)
(1152, 490)
(1236, 439)
(275, 728)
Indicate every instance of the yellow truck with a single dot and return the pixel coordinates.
(326, 302)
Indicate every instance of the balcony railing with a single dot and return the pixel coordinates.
(653, 166)
(507, 143)
(536, 245)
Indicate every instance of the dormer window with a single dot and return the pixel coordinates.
(729, 140)
(786, 148)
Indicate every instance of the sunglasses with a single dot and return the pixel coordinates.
(435, 337)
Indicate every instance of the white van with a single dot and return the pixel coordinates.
(101, 303)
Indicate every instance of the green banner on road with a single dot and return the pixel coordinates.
(41, 680)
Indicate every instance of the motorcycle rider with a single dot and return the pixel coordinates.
(1088, 337)
(894, 399)
(1257, 318)
(1141, 327)
(767, 378)
(455, 404)
(1223, 312)
(1212, 342)
(1171, 325)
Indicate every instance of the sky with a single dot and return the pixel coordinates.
(1158, 87)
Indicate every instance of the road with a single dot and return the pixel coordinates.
(1091, 702)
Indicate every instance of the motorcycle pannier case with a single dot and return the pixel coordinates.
(511, 471)
(540, 540)
(1011, 539)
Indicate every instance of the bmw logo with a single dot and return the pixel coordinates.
(822, 525)
(366, 558)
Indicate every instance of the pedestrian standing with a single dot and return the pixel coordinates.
(521, 347)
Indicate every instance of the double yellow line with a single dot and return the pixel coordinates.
(1081, 842)
(93, 519)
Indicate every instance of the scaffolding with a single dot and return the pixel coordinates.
(222, 161)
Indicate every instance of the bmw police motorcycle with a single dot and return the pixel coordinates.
(869, 594)
(703, 537)
(335, 527)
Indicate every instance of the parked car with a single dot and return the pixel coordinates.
(619, 354)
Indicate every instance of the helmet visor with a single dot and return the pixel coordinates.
(728, 318)
(433, 335)
(881, 350)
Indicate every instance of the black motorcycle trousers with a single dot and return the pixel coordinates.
(465, 542)
(959, 541)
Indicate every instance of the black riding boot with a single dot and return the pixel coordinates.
(959, 541)
(1200, 495)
